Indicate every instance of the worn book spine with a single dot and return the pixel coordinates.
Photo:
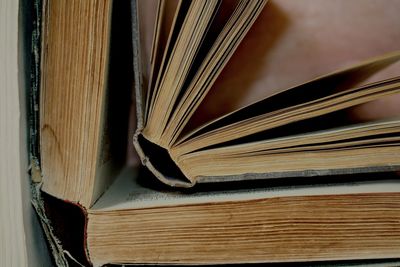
(55, 215)
(173, 178)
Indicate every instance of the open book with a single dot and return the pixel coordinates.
(265, 206)
(274, 137)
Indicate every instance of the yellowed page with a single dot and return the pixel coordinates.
(295, 41)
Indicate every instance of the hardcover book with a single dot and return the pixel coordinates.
(290, 177)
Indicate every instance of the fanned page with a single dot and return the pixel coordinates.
(301, 131)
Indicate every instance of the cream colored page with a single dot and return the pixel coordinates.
(295, 41)
(167, 14)
(128, 193)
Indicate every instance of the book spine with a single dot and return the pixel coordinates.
(138, 84)
(64, 224)
(174, 178)
(34, 93)
(33, 96)
(53, 242)
(61, 256)
(136, 66)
